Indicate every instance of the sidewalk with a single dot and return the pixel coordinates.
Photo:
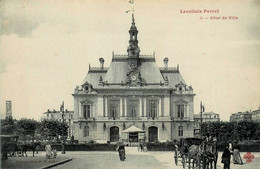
(36, 162)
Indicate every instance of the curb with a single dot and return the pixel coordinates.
(55, 164)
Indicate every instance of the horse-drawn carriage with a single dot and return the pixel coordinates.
(198, 151)
(10, 146)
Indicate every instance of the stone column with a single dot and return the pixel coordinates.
(104, 106)
(140, 106)
(142, 101)
(145, 108)
(123, 101)
(159, 107)
(80, 110)
(162, 106)
(121, 106)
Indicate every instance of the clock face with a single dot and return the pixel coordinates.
(133, 77)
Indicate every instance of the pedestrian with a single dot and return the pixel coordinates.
(142, 147)
(54, 152)
(48, 150)
(236, 155)
(37, 148)
(226, 157)
(121, 151)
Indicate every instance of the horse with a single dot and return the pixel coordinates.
(193, 154)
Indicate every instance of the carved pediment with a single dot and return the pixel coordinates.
(87, 88)
(183, 88)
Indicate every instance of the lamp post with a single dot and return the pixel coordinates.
(202, 109)
(63, 140)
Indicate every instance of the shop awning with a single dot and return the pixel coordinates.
(132, 129)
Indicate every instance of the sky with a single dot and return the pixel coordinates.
(46, 47)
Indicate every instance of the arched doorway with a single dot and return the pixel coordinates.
(152, 134)
(114, 134)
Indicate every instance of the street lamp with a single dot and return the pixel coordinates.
(63, 140)
(202, 109)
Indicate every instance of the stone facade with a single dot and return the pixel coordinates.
(206, 117)
(133, 91)
(241, 116)
(256, 115)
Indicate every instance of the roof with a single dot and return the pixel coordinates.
(132, 129)
(54, 111)
(118, 69)
(210, 113)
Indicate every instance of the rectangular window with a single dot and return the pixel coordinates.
(153, 109)
(86, 131)
(114, 109)
(180, 130)
(133, 108)
(86, 111)
(180, 111)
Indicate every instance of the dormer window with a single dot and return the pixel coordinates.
(180, 88)
(86, 88)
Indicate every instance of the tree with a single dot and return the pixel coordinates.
(8, 126)
(53, 128)
(27, 127)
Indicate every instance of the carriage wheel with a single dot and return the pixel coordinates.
(183, 161)
(19, 153)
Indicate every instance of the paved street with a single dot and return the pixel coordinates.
(135, 159)
(110, 160)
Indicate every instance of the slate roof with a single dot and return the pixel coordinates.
(116, 73)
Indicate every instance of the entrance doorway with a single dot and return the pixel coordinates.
(152, 134)
(114, 134)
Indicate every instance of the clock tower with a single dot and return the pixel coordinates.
(133, 75)
(133, 49)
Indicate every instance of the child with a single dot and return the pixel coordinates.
(54, 152)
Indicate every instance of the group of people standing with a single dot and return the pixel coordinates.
(226, 156)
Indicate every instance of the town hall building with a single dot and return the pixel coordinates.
(133, 100)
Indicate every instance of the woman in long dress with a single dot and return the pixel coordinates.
(121, 151)
(236, 155)
(48, 150)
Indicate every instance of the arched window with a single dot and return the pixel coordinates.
(152, 134)
(180, 130)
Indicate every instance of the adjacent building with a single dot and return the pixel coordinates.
(206, 117)
(210, 117)
(57, 115)
(241, 116)
(132, 100)
(256, 115)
